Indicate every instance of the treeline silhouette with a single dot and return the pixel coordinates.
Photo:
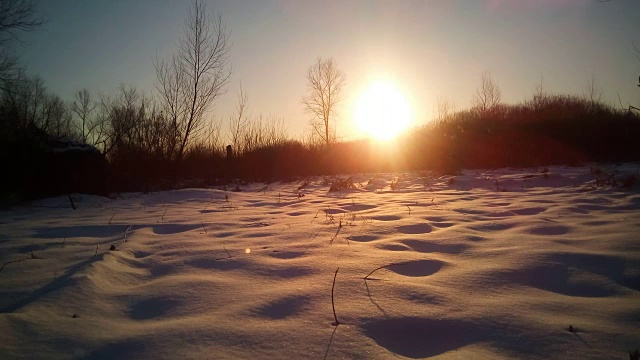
(545, 130)
(124, 143)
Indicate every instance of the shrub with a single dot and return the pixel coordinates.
(342, 184)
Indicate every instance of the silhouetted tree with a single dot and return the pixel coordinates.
(212, 139)
(444, 109)
(324, 91)
(83, 106)
(592, 91)
(16, 16)
(239, 121)
(26, 105)
(633, 107)
(120, 116)
(488, 95)
(638, 56)
(196, 75)
(247, 134)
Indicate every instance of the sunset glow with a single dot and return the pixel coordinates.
(382, 111)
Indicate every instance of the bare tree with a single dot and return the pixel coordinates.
(151, 134)
(445, 108)
(16, 17)
(247, 134)
(59, 119)
(196, 75)
(83, 106)
(25, 104)
(631, 107)
(488, 95)
(213, 140)
(262, 133)
(239, 121)
(120, 115)
(539, 96)
(592, 91)
(324, 91)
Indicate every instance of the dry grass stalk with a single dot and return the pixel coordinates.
(333, 305)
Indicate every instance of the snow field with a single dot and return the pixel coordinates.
(493, 264)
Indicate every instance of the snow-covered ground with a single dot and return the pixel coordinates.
(493, 264)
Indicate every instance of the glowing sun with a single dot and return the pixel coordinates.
(382, 112)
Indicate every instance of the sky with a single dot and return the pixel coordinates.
(426, 49)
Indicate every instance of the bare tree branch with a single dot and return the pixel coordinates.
(16, 17)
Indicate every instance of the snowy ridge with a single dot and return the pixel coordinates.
(489, 265)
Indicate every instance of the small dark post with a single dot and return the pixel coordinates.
(228, 167)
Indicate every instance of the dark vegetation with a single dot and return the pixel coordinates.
(131, 149)
(546, 130)
(129, 142)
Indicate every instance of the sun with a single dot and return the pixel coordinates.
(382, 112)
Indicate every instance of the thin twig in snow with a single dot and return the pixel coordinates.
(14, 261)
(73, 206)
(126, 233)
(381, 267)
(333, 305)
(373, 301)
(326, 353)
(337, 232)
(315, 217)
